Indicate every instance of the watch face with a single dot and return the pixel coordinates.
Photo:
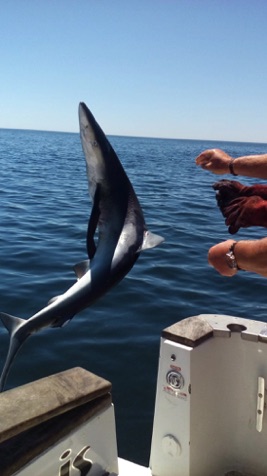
(230, 260)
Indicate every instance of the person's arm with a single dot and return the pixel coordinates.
(249, 255)
(218, 162)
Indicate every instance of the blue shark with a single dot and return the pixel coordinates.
(121, 236)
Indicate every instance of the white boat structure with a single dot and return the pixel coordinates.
(210, 413)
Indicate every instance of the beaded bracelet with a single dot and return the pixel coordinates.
(231, 167)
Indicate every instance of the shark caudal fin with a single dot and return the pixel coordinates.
(151, 240)
(13, 324)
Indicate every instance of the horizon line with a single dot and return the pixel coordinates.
(137, 136)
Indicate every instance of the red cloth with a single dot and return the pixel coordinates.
(242, 206)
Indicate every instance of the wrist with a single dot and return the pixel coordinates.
(230, 257)
(231, 167)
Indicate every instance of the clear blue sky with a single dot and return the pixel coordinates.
(162, 68)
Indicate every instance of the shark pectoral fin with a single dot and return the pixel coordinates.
(53, 299)
(151, 240)
(81, 268)
(11, 322)
(61, 321)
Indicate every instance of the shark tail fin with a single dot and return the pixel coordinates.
(12, 324)
(151, 240)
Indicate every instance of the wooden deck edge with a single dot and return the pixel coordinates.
(29, 405)
(190, 332)
(18, 451)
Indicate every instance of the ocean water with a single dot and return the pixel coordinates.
(44, 212)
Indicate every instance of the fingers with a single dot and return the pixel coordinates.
(221, 184)
(204, 158)
(244, 212)
(233, 220)
(228, 187)
(233, 229)
(214, 160)
(235, 207)
(234, 204)
(227, 191)
(234, 215)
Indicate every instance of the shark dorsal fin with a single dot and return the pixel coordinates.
(150, 240)
(81, 268)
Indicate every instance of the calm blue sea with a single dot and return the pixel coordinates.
(44, 212)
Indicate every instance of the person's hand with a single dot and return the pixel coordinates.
(217, 258)
(214, 160)
(240, 207)
(228, 190)
(244, 212)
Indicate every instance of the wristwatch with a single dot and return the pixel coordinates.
(230, 257)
